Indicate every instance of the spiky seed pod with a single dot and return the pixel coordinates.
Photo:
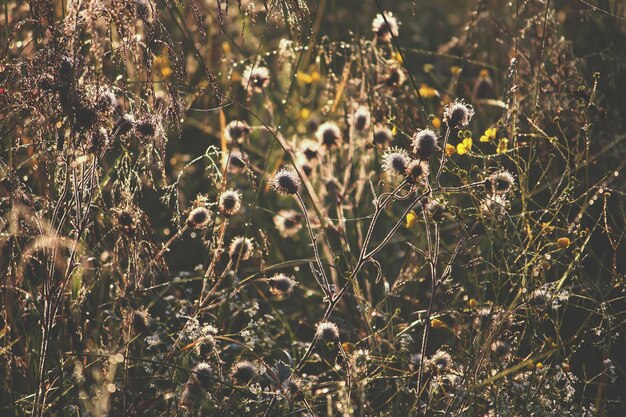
(146, 128)
(499, 348)
(236, 162)
(384, 30)
(107, 102)
(539, 299)
(285, 181)
(288, 223)
(241, 247)
(140, 321)
(206, 346)
(255, 79)
(243, 372)
(236, 131)
(425, 143)
(229, 203)
(126, 221)
(458, 114)
(500, 182)
(395, 77)
(382, 136)
(494, 206)
(327, 331)
(441, 361)
(395, 161)
(417, 172)
(281, 285)
(311, 150)
(361, 118)
(328, 134)
(125, 124)
(203, 373)
(199, 217)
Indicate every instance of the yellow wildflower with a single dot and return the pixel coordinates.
(305, 78)
(436, 122)
(489, 136)
(465, 146)
(398, 57)
(502, 146)
(450, 149)
(563, 242)
(411, 219)
(315, 76)
(305, 113)
(427, 91)
(437, 324)
(472, 302)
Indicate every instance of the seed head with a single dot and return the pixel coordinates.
(146, 128)
(281, 285)
(327, 331)
(395, 77)
(395, 161)
(229, 203)
(494, 206)
(236, 162)
(126, 221)
(361, 118)
(125, 124)
(384, 30)
(243, 372)
(425, 143)
(255, 79)
(382, 135)
(500, 182)
(285, 181)
(236, 131)
(458, 114)
(328, 134)
(199, 217)
(499, 348)
(441, 361)
(107, 102)
(206, 346)
(417, 172)
(288, 223)
(241, 247)
(141, 321)
(311, 150)
(203, 373)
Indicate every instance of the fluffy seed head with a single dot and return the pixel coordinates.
(255, 79)
(382, 135)
(395, 76)
(281, 285)
(311, 150)
(146, 128)
(241, 247)
(236, 162)
(229, 203)
(288, 222)
(361, 118)
(499, 183)
(107, 102)
(203, 374)
(417, 172)
(125, 124)
(126, 221)
(328, 134)
(327, 331)
(539, 299)
(243, 372)
(140, 321)
(206, 346)
(384, 30)
(494, 206)
(425, 143)
(499, 348)
(285, 181)
(441, 361)
(395, 161)
(199, 217)
(236, 131)
(458, 114)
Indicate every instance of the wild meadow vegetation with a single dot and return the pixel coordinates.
(312, 208)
